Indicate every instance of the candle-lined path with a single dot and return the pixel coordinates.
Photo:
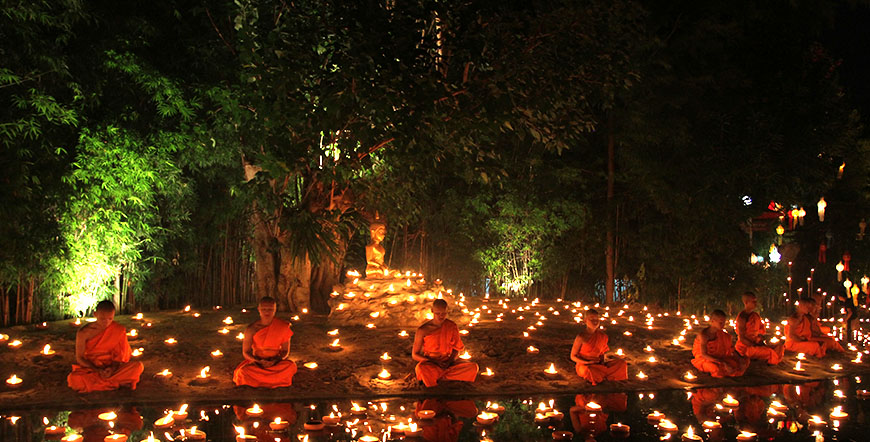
(522, 347)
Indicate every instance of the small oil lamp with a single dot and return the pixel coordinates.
(254, 411)
(729, 401)
(386, 356)
(217, 354)
(165, 374)
(74, 437)
(551, 369)
(403, 334)
(310, 365)
(620, 429)
(107, 416)
(426, 414)
(14, 381)
(667, 426)
(746, 436)
(592, 407)
(655, 417)
(486, 418)
(488, 372)
(641, 376)
(194, 434)
(170, 341)
(242, 437)
(165, 421)
(690, 436)
(689, 376)
(838, 414)
(532, 349)
(14, 344)
(181, 414)
(52, 431)
(278, 424)
(332, 419)
(115, 437)
(816, 423)
(384, 374)
(413, 431)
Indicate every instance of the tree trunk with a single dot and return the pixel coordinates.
(609, 256)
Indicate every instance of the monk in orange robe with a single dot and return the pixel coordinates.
(588, 351)
(266, 349)
(713, 351)
(820, 332)
(750, 334)
(103, 355)
(436, 346)
(799, 336)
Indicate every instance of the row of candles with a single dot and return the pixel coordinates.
(544, 414)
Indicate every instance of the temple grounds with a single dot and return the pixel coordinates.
(496, 340)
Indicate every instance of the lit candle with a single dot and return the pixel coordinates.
(655, 416)
(689, 376)
(242, 437)
(532, 349)
(217, 354)
(384, 374)
(254, 411)
(386, 356)
(74, 437)
(619, 352)
(278, 424)
(52, 430)
(165, 421)
(838, 414)
(593, 407)
(107, 416)
(486, 418)
(488, 372)
(641, 375)
(332, 419)
(816, 422)
(746, 436)
(619, 429)
(563, 435)
(403, 334)
(778, 406)
(551, 369)
(426, 414)
(690, 436)
(729, 401)
(115, 437)
(165, 374)
(667, 426)
(181, 414)
(14, 344)
(711, 425)
(310, 365)
(170, 341)
(797, 366)
(413, 431)
(14, 381)
(195, 434)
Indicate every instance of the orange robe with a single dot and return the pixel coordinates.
(804, 330)
(266, 344)
(822, 332)
(110, 347)
(720, 347)
(439, 345)
(592, 350)
(754, 331)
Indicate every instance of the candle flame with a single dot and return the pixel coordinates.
(488, 372)
(204, 372)
(551, 369)
(384, 374)
(334, 343)
(385, 356)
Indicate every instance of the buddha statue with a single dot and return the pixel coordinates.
(375, 267)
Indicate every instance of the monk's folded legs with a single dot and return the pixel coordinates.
(613, 370)
(252, 375)
(729, 367)
(771, 355)
(430, 373)
(86, 380)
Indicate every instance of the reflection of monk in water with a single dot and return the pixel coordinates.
(704, 402)
(805, 396)
(285, 410)
(445, 426)
(93, 429)
(588, 424)
(752, 411)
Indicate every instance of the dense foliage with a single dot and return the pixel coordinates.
(179, 153)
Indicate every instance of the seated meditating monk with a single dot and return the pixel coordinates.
(436, 345)
(799, 336)
(266, 349)
(713, 351)
(375, 267)
(750, 334)
(103, 355)
(588, 351)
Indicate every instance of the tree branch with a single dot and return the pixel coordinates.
(221, 35)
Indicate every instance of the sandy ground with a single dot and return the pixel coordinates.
(352, 371)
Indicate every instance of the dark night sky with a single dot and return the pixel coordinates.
(850, 41)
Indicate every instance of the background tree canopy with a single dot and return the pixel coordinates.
(168, 154)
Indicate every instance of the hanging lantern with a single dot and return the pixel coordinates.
(821, 205)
